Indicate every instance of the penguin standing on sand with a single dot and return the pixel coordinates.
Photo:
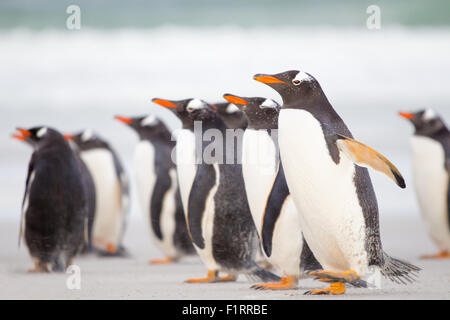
(217, 212)
(271, 205)
(158, 187)
(54, 209)
(111, 189)
(324, 169)
(431, 167)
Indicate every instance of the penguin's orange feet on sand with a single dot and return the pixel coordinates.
(211, 277)
(166, 260)
(38, 267)
(440, 255)
(111, 248)
(286, 283)
(348, 276)
(227, 278)
(335, 288)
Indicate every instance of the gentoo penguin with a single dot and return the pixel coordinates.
(431, 167)
(89, 187)
(231, 115)
(213, 195)
(158, 187)
(54, 209)
(325, 171)
(271, 205)
(111, 189)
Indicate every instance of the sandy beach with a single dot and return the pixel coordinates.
(134, 278)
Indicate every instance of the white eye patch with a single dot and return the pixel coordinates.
(195, 104)
(268, 103)
(148, 121)
(41, 132)
(429, 114)
(87, 135)
(300, 77)
(231, 108)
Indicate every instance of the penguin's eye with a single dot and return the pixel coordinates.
(296, 82)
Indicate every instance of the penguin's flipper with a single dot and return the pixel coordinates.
(205, 179)
(365, 156)
(274, 205)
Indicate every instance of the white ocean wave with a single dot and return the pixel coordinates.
(88, 68)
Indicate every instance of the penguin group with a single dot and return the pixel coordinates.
(275, 192)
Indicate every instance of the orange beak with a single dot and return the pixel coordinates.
(165, 103)
(267, 79)
(68, 136)
(214, 106)
(125, 120)
(234, 99)
(24, 134)
(406, 115)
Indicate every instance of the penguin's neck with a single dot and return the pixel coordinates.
(323, 111)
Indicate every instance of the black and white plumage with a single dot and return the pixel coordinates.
(431, 170)
(157, 185)
(271, 205)
(54, 210)
(111, 191)
(213, 194)
(332, 190)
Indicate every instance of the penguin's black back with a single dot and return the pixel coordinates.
(56, 211)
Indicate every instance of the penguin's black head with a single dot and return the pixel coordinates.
(233, 117)
(261, 113)
(200, 110)
(145, 126)
(426, 122)
(37, 136)
(178, 107)
(293, 85)
(87, 140)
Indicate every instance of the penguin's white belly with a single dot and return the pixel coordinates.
(186, 167)
(287, 241)
(259, 169)
(431, 183)
(206, 254)
(324, 193)
(109, 218)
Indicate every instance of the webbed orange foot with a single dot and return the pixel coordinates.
(336, 288)
(166, 260)
(440, 255)
(286, 283)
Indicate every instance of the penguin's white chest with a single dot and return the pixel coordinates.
(144, 163)
(259, 168)
(324, 193)
(431, 184)
(186, 167)
(109, 218)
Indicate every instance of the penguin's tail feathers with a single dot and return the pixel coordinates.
(399, 271)
(260, 274)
